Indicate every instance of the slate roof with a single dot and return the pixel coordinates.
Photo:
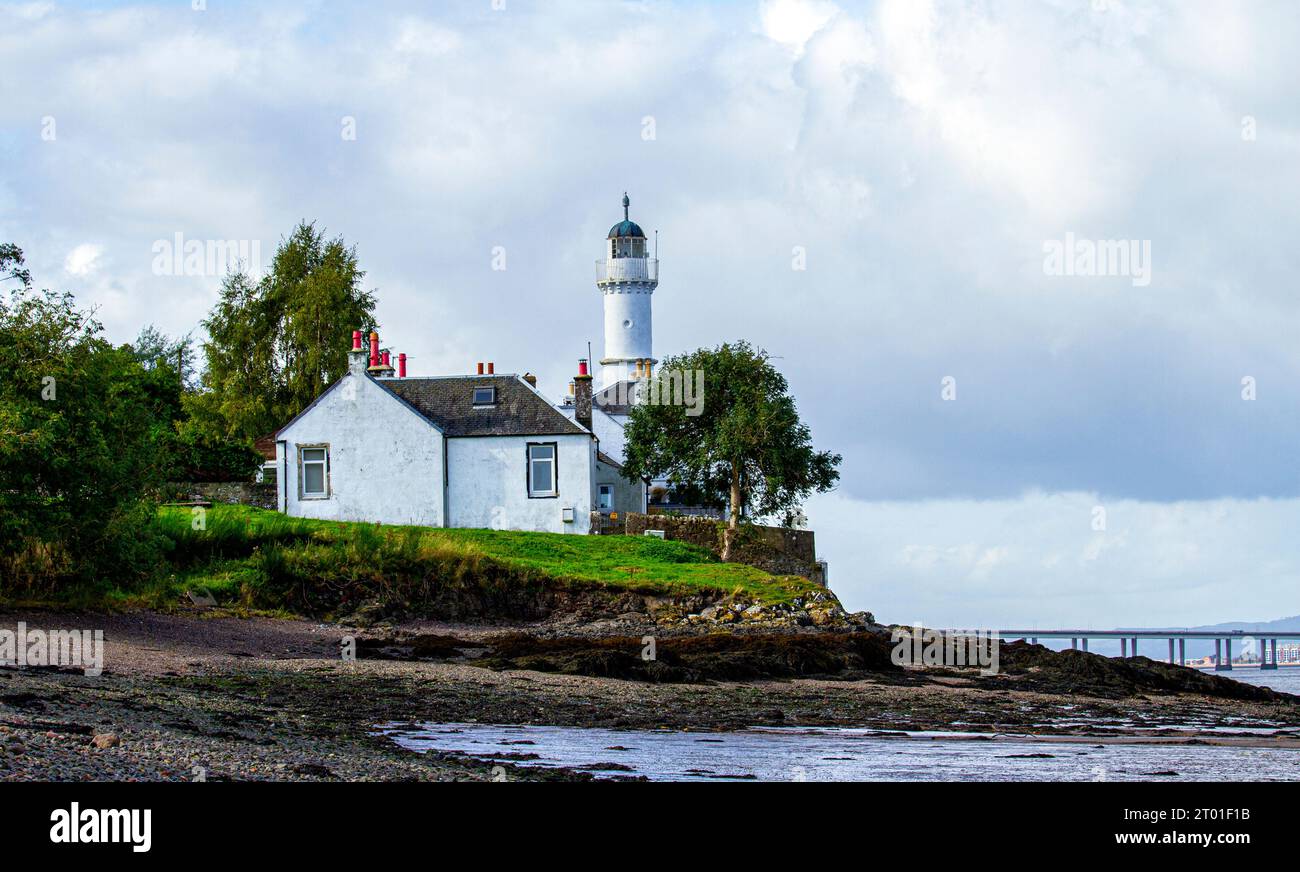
(616, 399)
(449, 403)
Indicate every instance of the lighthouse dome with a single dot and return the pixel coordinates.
(625, 229)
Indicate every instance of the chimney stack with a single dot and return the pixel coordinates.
(357, 356)
(379, 361)
(401, 365)
(582, 395)
(530, 378)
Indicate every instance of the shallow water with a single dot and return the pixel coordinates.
(1285, 679)
(832, 754)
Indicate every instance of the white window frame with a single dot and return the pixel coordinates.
(266, 473)
(490, 403)
(535, 493)
(603, 491)
(303, 493)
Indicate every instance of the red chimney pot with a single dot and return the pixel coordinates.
(582, 366)
(374, 349)
(492, 368)
(401, 365)
(386, 359)
(480, 367)
(356, 340)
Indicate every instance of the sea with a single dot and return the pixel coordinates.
(1285, 680)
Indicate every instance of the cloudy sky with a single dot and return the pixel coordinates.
(1096, 462)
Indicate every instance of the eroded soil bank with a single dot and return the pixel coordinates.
(200, 695)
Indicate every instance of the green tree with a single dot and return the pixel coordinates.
(243, 374)
(197, 446)
(274, 345)
(12, 265)
(153, 348)
(746, 448)
(84, 430)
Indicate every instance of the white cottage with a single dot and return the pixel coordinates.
(482, 450)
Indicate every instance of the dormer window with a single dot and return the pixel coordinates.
(485, 397)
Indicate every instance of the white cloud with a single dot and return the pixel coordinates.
(31, 11)
(921, 153)
(417, 36)
(83, 260)
(793, 22)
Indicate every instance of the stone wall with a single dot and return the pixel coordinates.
(778, 550)
(245, 493)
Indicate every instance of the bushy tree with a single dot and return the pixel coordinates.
(83, 440)
(274, 345)
(153, 348)
(12, 265)
(747, 447)
(198, 448)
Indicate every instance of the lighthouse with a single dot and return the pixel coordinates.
(627, 277)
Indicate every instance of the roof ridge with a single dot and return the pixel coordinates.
(520, 409)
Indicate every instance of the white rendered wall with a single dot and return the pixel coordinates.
(488, 484)
(628, 334)
(385, 461)
(608, 429)
(629, 496)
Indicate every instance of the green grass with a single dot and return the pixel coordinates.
(264, 560)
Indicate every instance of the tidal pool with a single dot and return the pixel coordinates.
(837, 754)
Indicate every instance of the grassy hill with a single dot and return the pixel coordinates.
(262, 559)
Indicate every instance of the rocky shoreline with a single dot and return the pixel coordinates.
(201, 696)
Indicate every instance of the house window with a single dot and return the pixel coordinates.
(541, 470)
(606, 499)
(266, 473)
(485, 396)
(315, 480)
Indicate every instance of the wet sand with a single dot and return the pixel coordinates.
(200, 694)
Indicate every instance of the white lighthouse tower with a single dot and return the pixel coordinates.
(627, 277)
